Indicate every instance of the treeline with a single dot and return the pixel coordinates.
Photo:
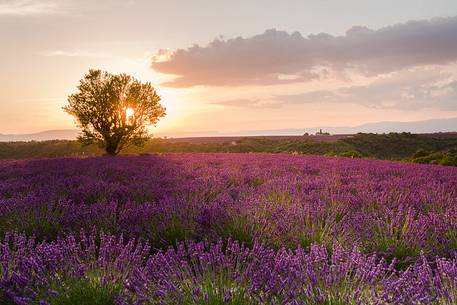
(420, 148)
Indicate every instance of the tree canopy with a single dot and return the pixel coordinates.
(114, 110)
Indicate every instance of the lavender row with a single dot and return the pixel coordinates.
(103, 269)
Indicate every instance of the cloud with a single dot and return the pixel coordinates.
(412, 89)
(276, 57)
(256, 103)
(27, 7)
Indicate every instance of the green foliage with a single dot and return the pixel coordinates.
(433, 148)
(420, 152)
(451, 236)
(238, 227)
(217, 291)
(396, 146)
(347, 154)
(390, 239)
(279, 198)
(41, 222)
(102, 105)
(164, 232)
(176, 231)
(84, 292)
(331, 300)
(46, 149)
(323, 229)
(434, 157)
(256, 182)
(315, 233)
(210, 285)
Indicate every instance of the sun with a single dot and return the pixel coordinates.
(129, 113)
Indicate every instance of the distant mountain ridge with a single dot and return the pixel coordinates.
(427, 126)
(65, 134)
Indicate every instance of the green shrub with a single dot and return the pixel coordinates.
(351, 154)
(420, 152)
(434, 157)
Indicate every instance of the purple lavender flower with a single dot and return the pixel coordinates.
(315, 229)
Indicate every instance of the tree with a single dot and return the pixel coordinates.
(114, 110)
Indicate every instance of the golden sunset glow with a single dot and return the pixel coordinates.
(275, 75)
(129, 113)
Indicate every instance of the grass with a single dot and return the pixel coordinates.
(214, 286)
(84, 292)
(40, 222)
(315, 232)
(238, 227)
(390, 238)
(163, 233)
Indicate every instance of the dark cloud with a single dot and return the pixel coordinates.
(276, 57)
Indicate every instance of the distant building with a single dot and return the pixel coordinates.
(321, 133)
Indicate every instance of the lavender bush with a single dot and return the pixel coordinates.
(227, 229)
(103, 269)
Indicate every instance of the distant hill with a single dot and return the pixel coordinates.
(428, 126)
(66, 134)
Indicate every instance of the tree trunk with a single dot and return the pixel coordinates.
(111, 149)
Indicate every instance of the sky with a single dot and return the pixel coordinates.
(227, 66)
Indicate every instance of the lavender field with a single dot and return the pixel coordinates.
(227, 229)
